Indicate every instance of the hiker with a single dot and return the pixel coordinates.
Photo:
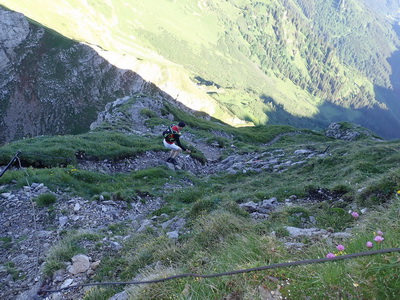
(171, 141)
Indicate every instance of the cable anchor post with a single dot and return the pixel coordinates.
(10, 163)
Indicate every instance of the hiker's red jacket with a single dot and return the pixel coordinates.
(174, 137)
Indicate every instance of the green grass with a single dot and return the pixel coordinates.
(92, 184)
(5, 242)
(369, 277)
(225, 243)
(256, 134)
(11, 269)
(97, 293)
(45, 200)
(221, 240)
(53, 151)
(63, 251)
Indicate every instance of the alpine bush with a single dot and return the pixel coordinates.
(45, 200)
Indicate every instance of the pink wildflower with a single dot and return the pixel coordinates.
(380, 233)
(340, 247)
(330, 255)
(378, 239)
(369, 244)
(355, 215)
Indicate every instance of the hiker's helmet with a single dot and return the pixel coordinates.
(181, 124)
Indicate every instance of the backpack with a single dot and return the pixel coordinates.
(167, 133)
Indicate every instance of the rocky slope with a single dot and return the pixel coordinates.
(30, 231)
(26, 249)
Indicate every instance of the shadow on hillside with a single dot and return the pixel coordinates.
(382, 122)
(391, 97)
(56, 85)
(394, 62)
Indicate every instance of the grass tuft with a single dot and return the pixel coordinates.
(44, 200)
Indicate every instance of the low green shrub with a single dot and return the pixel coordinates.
(201, 206)
(367, 167)
(188, 195)
(89, 176)
(342, 189)
(198, 155)
(110, 263)
(101, 293)
(148, 113)
(5, 242)
(211, 229)
(126, 195)
(45, 200)
(281, 232)
(296, 216)
(329, 217)
(13, 270)
(232, 207)
(150, 249)
(379, 192)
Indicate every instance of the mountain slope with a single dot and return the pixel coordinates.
(54, 85)
(108, 208)
(266, 61)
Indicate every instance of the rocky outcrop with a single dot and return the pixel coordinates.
(14, 29)
(132, 111)
(348, 132)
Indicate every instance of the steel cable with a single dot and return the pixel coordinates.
(272, 266)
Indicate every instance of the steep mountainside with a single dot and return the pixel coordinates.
(104, 208)
(288, 62)
(53, 85)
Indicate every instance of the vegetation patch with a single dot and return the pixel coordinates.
(44, 200)
(68, 247)
(61, 151)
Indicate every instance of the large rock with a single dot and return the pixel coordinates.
(348, 131)
(308, 232)
(80, 264)
(14, 28)
(337, 131)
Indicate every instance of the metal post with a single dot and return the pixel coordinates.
(10, 163)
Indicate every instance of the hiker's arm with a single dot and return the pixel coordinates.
(178, 142)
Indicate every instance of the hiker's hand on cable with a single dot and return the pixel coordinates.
(188, 151)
